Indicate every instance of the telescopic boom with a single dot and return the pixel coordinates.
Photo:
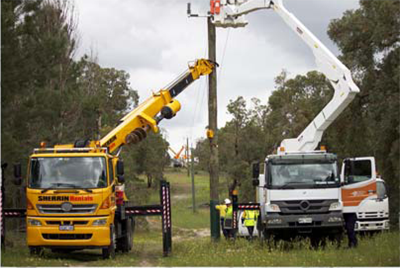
(134, 126)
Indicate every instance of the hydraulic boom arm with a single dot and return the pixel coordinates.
(179, 153)
(134, 126)
(232, 15)
(176, 154)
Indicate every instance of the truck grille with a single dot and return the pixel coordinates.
(67, 236)
(67, 222)
(372, 215)
(304, 206)
(76, 209)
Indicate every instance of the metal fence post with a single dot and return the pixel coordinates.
(166, 217)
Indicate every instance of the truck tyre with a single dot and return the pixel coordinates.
(38, 251)
(109, 252)
(336, 238)
(132, 230)
(260, 229)
(266, 237)
(128, 239)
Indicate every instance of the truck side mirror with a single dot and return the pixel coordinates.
(256, 182)
(347, 168)
(120, 171)
(256, 174)
(17, 174)
(256, 170)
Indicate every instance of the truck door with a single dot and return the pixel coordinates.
(358, 177)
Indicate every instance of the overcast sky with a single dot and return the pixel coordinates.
(153, 40)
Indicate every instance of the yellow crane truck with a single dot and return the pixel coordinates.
(74, 191)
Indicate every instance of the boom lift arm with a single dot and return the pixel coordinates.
(172, 151)
(232, 15)
(176, 154)
(134, 126)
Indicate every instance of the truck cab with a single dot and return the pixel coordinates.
(71, 201)
(300, 193)
(365, 194)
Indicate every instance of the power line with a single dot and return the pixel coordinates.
(223, 56)
(197, 98)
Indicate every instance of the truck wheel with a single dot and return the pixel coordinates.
(336, 238)
(109, 252)
(318, 241)
(38, 251)
(131, 227)
(126, 241)
(266, 238)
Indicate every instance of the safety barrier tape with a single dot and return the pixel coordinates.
(248, 206)
(15, 213)
(148, 211)
(1, 214)
(168, 211)
(164, 204)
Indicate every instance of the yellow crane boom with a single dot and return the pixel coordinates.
(134, 126)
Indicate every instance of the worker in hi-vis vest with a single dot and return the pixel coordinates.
(250, 219)
(222, 213)
(228, 223)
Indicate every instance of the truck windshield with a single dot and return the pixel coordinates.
(68, 172)
(303, 175)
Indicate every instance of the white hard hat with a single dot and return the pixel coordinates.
(227, 201)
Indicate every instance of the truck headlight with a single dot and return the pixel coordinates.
(100, 222)
(334, 219)
(34, 222)
(386, 225)
(274, 221)
(336, 206)
(272, 208)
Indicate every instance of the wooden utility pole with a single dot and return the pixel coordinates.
(212, 125)
(212, 132)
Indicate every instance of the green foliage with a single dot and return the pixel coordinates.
(38, 42)
(369, 40)
(149, 158)
(104, 97)
(297, 253)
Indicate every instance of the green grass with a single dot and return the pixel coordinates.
(181, 191)
(380, 250)
(147, 252)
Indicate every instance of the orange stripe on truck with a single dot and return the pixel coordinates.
(354, 196)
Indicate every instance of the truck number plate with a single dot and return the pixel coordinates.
(66, 227)
(305, 220)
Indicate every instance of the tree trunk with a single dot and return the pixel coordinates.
(149, 181)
